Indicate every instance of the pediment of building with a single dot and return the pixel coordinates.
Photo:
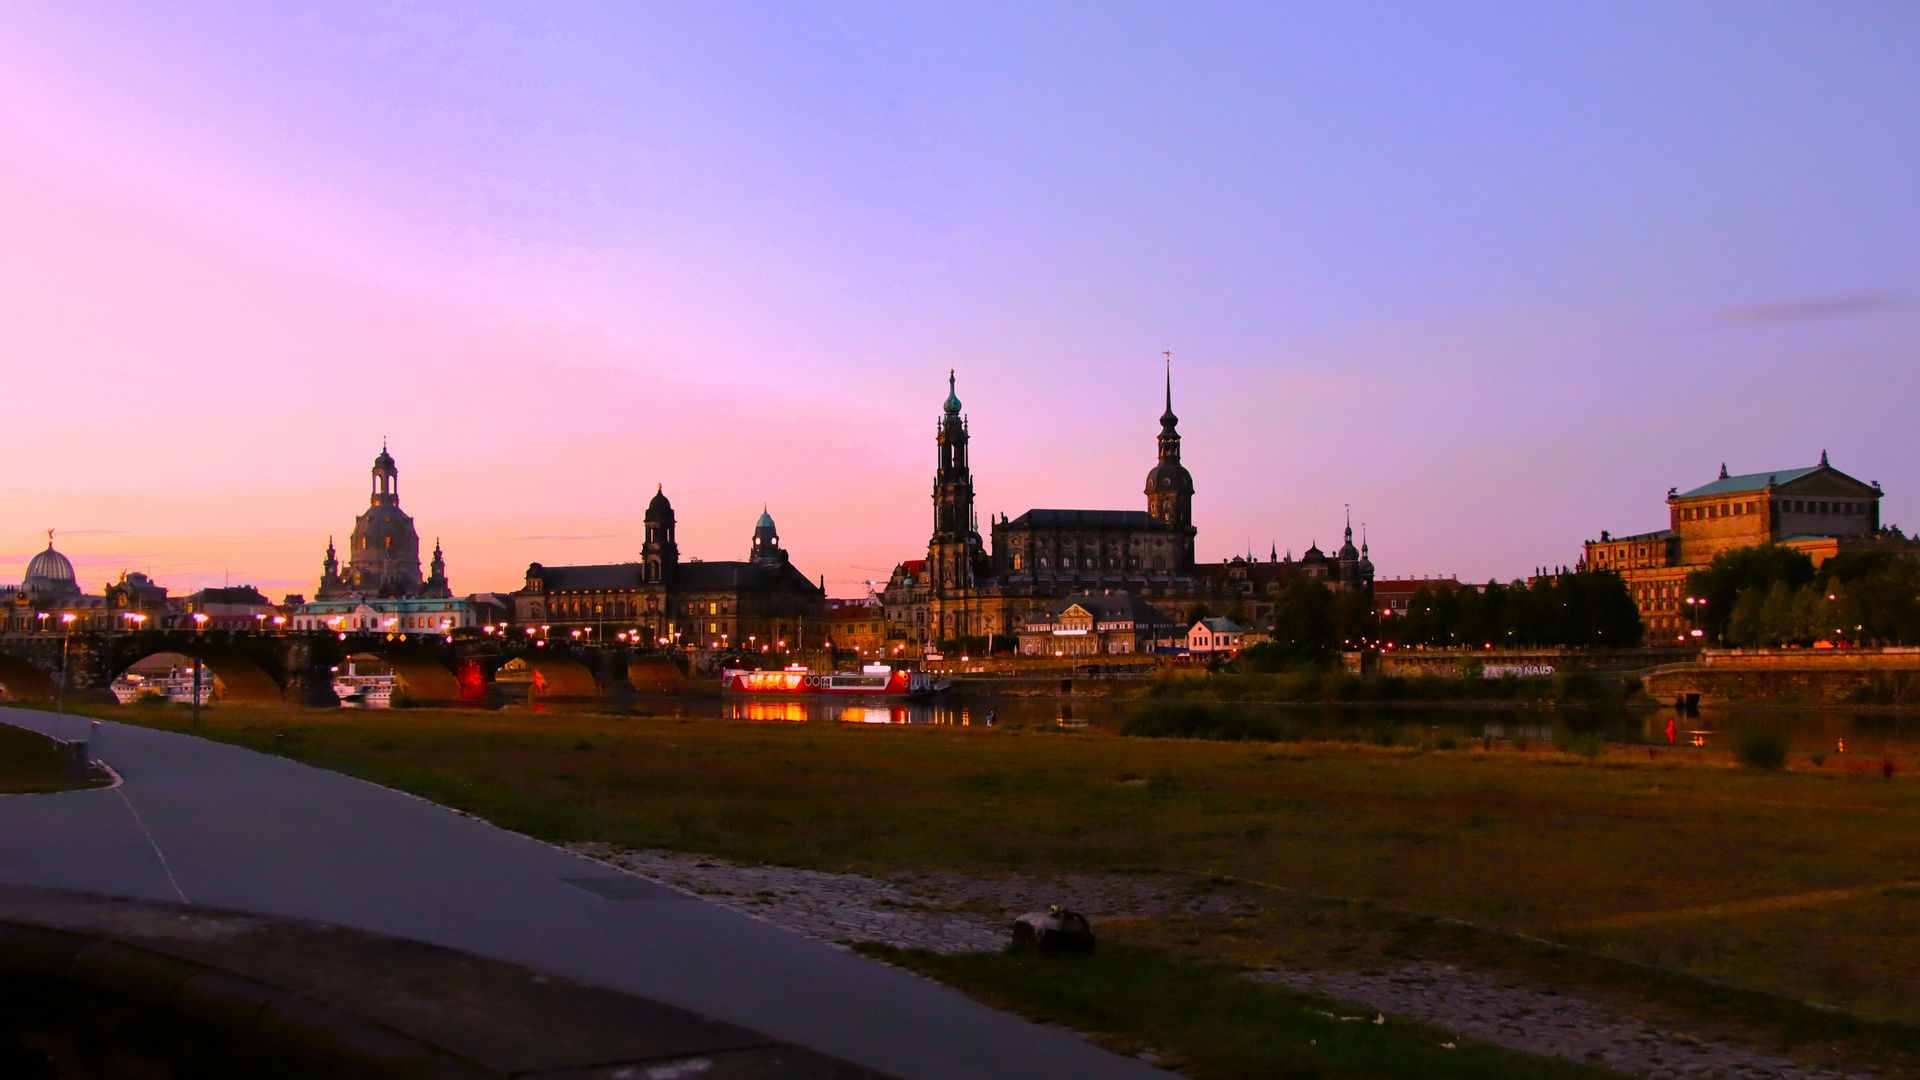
(1827, 482)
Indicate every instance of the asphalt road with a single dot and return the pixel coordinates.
(213, 824)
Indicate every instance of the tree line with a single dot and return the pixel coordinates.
(1312, 622)
(1771, 595)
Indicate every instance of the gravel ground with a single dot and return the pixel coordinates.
(1485, 1008)
(939, 912)
(943, 912)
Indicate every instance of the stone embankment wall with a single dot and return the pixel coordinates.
(1793, 676)
(1413, 663)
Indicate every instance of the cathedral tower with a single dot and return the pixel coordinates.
(955, 547)
(1169, 485)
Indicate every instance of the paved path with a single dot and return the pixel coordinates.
(217, 824)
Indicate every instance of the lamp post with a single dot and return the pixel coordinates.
(66, 641)
(199, 624)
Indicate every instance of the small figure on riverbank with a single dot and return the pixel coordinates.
(989, 717)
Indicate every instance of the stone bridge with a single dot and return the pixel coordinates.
(297, 668)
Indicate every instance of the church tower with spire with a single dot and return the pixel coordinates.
(954, 549)
(1169, 485)
(331, 585)
(436, 586)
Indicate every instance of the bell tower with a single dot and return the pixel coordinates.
(1169, 485)
(659, 554)
(951, 553)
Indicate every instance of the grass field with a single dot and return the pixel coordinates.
(1666, 873)
(29, 762)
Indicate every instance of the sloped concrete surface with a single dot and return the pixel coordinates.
(137, 987)
(208, 824)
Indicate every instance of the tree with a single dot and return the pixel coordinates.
(1303, 622)
(1757, 567)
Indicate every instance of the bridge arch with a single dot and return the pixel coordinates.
(554, 675)
(22, 679)
(243, 678)
(421, 675)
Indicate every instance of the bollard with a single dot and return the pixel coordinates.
(74, 757)
(93, 742)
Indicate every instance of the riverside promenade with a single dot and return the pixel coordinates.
(204, 823)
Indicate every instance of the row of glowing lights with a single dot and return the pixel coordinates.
(200, 620)
(634, 636)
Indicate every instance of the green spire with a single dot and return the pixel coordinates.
(953, 398)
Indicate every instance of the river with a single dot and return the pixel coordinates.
(1861, 731)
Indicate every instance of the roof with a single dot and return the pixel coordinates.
(591, 578)
(709, 576)
(1729, 485)
(1087, 519)
(238, 594)
(383, 604)
(1661, 534)
(687, 577)
(1222, 626)
(1115, 606)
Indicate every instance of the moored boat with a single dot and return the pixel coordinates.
(873, 680)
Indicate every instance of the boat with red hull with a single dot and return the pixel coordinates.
(873, 680)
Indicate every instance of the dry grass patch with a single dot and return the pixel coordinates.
(1537, 841)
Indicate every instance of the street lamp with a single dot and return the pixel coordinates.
(66, 640)
(199, 624)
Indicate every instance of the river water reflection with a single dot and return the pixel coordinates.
(1806, 730)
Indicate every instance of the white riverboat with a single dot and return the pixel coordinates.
(175, 686)
(359, 691)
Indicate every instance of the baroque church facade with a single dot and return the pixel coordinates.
(763, 603)
(383, 554)
(963, 588)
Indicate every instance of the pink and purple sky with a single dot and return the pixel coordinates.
(1497, 275)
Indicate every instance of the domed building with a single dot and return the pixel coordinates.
(383, 553)
(50, 575)
(49, 599)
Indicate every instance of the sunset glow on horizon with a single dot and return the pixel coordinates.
(1496, 278)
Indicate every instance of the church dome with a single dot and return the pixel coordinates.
(953, 397)
(659, 509)
(50, 572)
(765, 522)
(384, 463)
(51, 566)
(1169, 476)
